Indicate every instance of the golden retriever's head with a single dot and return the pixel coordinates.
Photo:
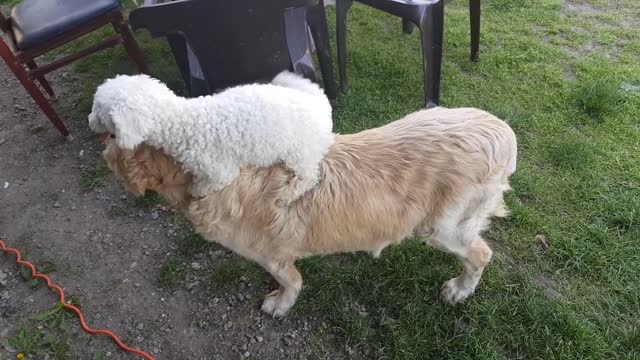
(147, 168)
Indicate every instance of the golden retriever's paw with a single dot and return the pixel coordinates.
(276, 304)
(453, 294)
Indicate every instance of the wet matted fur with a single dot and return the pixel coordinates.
(438, 174)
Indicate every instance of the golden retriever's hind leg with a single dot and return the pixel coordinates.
(457, 232)
(278, 302)
(474, 259)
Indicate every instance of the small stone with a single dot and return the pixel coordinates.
(350, 350)
(240, 297)
(123, 197)
(287, 341)
(26, 274)
(155, 215)
(97, 316)
(196, 266)
(10, 311)
(244, 347)
(247, 354)
(133, 265)
(20, 107)
(56, 205)
(140, 326)
(234, 348)
(259, 339)
(73, 207)
(136, 284)
(36, 128)
(542, 242)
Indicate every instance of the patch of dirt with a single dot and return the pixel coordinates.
(106, 253)
(549, 286)
(580, 8)
(584, 9)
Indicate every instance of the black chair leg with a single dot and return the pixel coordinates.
(342, 8)
(320, 33)
(178, 47)
(474, 16)
(407, 26)
(432, 36)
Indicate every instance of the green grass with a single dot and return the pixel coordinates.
(148, 201)
(46, 335)
(176, 269)
(597, 98)
(553, 74)
(95, 178)
(172, 272)
(9, 3)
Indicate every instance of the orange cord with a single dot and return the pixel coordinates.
(57, 288)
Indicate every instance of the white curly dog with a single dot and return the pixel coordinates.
(287, 121)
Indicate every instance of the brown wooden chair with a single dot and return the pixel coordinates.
(36, 27)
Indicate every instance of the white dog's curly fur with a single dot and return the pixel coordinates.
(213, 137)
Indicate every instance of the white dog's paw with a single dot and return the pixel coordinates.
(276, 304)
(454, 294)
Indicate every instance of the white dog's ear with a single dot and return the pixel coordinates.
(95, 124)
(130, 130)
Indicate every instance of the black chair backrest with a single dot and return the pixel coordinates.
(235, 41)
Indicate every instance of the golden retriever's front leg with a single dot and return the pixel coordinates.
(278, 302)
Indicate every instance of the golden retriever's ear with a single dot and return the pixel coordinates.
(137, 169)
(134, 177)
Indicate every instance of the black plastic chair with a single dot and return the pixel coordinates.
(240, 41)
(428, 16)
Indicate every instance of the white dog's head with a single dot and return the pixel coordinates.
(125, 106)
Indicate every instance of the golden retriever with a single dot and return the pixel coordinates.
(437, 174)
